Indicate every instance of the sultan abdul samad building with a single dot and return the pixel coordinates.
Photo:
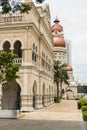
(30, 37)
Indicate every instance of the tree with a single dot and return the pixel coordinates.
(15, 5)
(8, 70)
(60, 75)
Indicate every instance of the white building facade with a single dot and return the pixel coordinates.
(29, 36)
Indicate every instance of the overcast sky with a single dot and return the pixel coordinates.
(73, 17)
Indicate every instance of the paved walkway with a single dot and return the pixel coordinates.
(66, 110)
(62, 116)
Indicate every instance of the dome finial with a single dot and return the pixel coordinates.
(56, 20)
(56, 26)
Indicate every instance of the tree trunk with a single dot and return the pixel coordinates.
(60, 89)
(57, 89)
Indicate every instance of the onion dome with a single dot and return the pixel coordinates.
(58, 41)
(69, 68)
(56, 26)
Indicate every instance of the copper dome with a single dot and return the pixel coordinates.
(58, 41)
(56, 26)
(69, 68)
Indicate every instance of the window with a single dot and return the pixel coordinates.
(17, 49)
(34, 53)
(49, 65)
(6, 46)
(43, 59)
(46, 62)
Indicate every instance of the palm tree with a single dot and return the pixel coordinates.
(60, 76)
(56, 75)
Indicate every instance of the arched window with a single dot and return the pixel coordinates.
(46, 62)
(34, 53)
(6, 46)
(17, 49)
(49, 65)
(43, 59)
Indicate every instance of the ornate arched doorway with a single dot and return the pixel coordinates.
(11, 96)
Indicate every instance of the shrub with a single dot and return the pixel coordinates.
(56, 99)
(83, 102)
(84, 114)
(84, 108)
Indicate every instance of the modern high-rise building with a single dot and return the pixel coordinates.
(69, 60)
(68, 55)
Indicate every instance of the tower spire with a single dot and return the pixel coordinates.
(56, 20)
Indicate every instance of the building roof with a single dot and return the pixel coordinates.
(69, 68)
(56, 26)
(58, 41)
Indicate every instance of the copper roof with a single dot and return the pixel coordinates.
(58, 41)
(56, 26)
(69, 68)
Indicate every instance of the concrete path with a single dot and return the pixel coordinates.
(62, 116)
(66, 110)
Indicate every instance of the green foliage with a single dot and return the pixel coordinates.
(56, 99)
(11, 70)
(6, 58)
(1, 75)
(25, 8)
(5, 7)
(60, 75)
(84, 114)
(83, 101)
(84, 108)
(8, 70)
(8, 6)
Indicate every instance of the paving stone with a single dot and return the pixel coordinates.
(62, 116)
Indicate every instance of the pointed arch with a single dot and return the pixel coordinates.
(18, 39)
(6, 46)
(34, 93)
(11, 99)
(43, 94)
(50, 89)
(17, 48)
